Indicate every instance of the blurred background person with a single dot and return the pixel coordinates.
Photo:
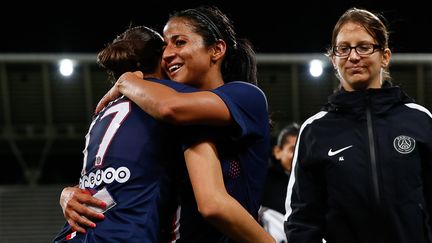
(272, 211)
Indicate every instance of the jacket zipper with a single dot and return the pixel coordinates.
(373, 156)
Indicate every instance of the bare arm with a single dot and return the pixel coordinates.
(73, 201)
(214, 202)
(167, 104)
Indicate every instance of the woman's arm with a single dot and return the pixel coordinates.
(214, 202)
(165, 103)
(74, 202)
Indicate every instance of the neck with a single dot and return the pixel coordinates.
(212, 81)
(154, 75)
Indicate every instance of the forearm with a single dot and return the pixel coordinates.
(237, 223)
(164, 103)
(214, 202)
(149, 96)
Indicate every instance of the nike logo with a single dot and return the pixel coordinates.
(333, 153)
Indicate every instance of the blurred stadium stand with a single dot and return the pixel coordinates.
(44, 117)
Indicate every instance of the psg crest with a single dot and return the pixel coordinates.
(404, 144)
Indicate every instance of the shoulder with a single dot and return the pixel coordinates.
(314, 118)
(241, 86)
(419, 108)
(313, 124)
(180, 87)
(242, 92)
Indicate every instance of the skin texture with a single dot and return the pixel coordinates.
(166, 104)
(359, 72)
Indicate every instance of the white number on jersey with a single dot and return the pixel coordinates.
(120, 110)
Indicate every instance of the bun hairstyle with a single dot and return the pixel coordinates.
(137, 49)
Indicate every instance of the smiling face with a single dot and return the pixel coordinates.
(186, 59)
(359, 72)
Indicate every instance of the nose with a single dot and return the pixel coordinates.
(353, 55)
(168, 54)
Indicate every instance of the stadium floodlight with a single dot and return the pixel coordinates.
(66, 67)
(316, 68)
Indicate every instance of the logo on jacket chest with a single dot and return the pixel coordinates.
(339, 151)
(404, 144)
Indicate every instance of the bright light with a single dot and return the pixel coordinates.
(66, 67)
(316, 68)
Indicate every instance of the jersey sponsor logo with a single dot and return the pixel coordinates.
(107, 176)
(404, 144)
(333, 153)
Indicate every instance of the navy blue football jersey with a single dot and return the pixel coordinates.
(135, 159)
(244, 150)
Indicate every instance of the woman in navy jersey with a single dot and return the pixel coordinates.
(203, 50)
(131, 162)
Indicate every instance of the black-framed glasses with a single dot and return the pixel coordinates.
(362, 50)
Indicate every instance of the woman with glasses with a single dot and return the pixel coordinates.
(363, 164)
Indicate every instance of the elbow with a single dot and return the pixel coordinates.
(170, 113)
(210, 210)
(167, 113)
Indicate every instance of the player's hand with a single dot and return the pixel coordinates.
(114, 92)
(111, 95)
(73, 201)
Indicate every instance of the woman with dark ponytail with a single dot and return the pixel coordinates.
(203, 50)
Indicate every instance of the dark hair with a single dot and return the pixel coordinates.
(292, 129)
(137, 49)
(209, 22)
(374, 24)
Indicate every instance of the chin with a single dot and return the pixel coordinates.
(356, 85)
(177, 79)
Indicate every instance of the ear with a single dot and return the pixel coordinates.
(386, 58)
(333, 57)
(218, 50)
(277, 152)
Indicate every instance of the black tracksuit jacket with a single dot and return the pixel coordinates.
(363, 171)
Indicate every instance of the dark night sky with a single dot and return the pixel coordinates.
(297, 27)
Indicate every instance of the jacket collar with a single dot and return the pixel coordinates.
(379, 100)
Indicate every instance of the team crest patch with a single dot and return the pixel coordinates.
(404, 144)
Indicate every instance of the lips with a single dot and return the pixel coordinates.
(355, 70)
(173, 68)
